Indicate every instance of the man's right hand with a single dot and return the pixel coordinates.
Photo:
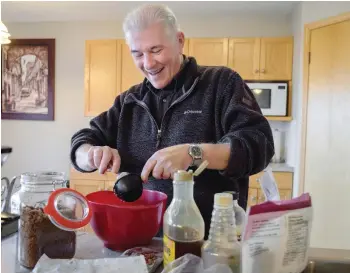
(103, 158)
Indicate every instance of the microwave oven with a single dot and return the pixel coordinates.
(272, 97)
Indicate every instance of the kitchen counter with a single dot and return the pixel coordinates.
(281, 167)
(89, 246)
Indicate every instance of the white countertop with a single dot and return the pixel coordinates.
(281, 167)
(89, 246)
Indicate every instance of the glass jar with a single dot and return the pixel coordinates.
(38, 232)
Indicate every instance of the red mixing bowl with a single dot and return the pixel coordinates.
(122, 225)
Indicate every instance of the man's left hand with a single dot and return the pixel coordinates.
(164, 163)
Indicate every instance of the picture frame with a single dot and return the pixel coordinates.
(28, 79)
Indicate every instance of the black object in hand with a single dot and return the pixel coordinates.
(128, 187)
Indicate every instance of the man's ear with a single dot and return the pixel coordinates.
(181, 40)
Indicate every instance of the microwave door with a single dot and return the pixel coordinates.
(272, 98)
(263, 97)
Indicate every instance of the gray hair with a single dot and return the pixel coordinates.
(144, 16)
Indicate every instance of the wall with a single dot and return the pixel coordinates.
(44, 145)
(304, 13)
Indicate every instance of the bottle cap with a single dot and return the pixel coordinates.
(223, 200)
(235, 195)
(182, 175)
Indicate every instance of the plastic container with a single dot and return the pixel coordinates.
(49, 216)
(183, 225)
(222, 245)
(240, 214)
(123, 225)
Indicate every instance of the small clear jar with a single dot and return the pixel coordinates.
(37, 233)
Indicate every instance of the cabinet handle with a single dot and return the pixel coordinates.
(256, 71)
(258, 180)
(263, 71)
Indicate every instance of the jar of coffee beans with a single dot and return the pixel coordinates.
(47, 208)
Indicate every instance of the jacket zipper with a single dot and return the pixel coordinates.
(182, 98)
(144, 106)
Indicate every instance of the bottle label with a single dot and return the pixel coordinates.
(168, 250)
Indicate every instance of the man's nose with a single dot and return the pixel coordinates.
(149, 61)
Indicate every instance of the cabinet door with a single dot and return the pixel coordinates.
(252, 197)
(101, 70)
(261, 196)
(243, 57)
(129, 74)
(285, 194)
(276, 57)
(186, 47)
(209, 51)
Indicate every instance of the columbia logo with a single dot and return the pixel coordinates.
(193, 112)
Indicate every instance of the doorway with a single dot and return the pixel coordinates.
(325, 152)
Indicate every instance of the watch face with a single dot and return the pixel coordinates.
(196, 151)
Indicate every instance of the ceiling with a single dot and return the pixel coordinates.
(40, 11)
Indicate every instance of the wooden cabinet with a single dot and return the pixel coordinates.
(101, 70)
(243, 57)
(209, 51)
(110, 69)
(262, 58)
(284, 182)
(276, 58)
(129, 74)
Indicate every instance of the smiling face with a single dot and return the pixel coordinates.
(156, 54)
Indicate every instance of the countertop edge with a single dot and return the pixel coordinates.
(327, 254)
(281, 167)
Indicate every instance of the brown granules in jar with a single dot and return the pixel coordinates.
(38, 236)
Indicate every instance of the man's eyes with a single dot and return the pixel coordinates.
(153, 51)
(157, 50)
(137, 54)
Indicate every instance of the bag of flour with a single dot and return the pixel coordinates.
(277, 236)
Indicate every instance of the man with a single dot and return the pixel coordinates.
(181, 114)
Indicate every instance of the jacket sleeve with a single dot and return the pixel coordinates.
(102, 132)
(244, 127)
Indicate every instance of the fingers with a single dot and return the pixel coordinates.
(148, 168)
(166, 174)
(104, 158)
(116, 162)
(158, 171)
(106, 155)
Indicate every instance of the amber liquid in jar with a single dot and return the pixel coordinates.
(183, 246)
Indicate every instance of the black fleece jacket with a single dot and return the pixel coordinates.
(216, 106)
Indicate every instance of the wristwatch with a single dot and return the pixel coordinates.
(195, 151)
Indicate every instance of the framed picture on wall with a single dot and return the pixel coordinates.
(28, 79)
